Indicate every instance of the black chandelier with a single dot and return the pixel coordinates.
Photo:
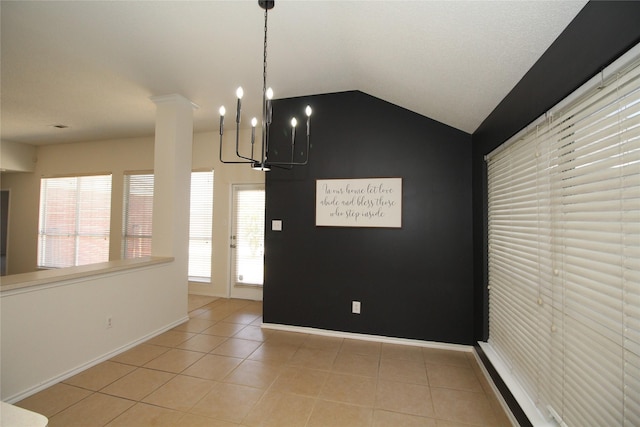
(260, 161)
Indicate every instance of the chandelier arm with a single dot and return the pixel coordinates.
(253, 141)
(246, 159)
(277, 166)
(292, 163)
(229, 161)
(250, 159)
(293, 148)
(265, 148)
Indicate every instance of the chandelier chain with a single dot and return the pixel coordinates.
(261, 162)
(264, 62)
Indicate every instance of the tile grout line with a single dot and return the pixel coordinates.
(299, 345)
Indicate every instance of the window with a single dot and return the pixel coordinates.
(137, 215)
(564, 257)
(74, 223)
(200, 226)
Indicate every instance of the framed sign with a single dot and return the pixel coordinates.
(370, 202)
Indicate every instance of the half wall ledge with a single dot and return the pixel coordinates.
(17, 282)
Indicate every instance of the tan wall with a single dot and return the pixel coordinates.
(117, 157)
(206, 149)
(17, 157)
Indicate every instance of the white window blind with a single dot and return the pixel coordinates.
(248, 233)
(74, 221)
(200, 226)
(564, 258)
(137, 215)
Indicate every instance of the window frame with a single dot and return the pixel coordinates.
(146, 213)
(200, 267)
(54, 212)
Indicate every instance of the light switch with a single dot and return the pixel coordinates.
(276, 225)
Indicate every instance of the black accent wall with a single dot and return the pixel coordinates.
(413, 282)
(426, 280)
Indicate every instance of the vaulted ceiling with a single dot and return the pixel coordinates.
(93, 65)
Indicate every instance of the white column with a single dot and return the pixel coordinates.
(172, 179)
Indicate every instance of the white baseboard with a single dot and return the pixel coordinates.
(366, 337)
(402, 341)
(202, 289)
(58, 378)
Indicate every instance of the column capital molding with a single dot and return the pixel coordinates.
(173, 98)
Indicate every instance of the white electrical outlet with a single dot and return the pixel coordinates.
(109, 322)
(355, 307)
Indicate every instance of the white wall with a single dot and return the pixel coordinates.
(50, 332)
(68, 159)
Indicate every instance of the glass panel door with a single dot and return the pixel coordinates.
(247, 241)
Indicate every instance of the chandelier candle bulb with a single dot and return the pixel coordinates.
(269, 95)
(222, 112)
(239, 94)
(294, 123)
(308, 112)
(254, 122)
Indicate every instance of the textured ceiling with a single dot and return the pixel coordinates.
(93, 65)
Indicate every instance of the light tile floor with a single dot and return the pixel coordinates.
(220, 369)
